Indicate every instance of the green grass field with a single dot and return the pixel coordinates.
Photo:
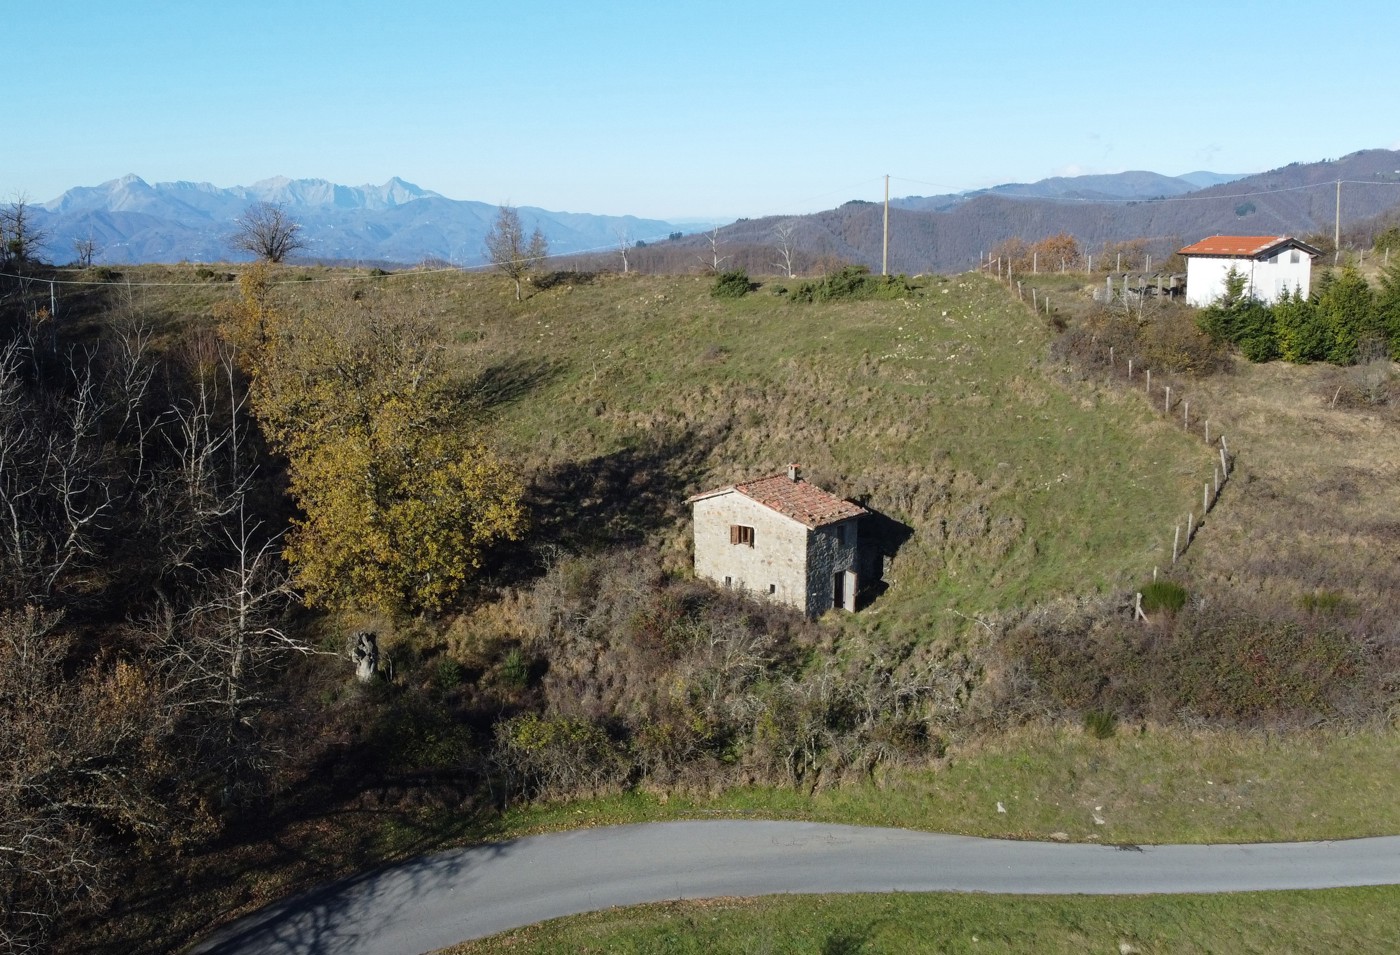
(937, 410)
(1149, 787)
(1337, 920)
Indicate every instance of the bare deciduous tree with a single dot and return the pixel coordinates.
(268, 231)
(20, 239)
(83, 251)
(784, 234)
(510, 251)
(624, 243)
(53, 496)
(716, 260)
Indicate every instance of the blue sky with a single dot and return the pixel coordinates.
(695, 109)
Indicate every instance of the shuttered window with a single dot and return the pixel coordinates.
(741, 534)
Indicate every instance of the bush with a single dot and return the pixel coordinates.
(1163, 595)
(733, 284)
(1245, 322)
(1172, 342)
(558, 756)
(550, 280)
(1099, 724)
(1322, 601)
(854, 282)
(694, 683)
(515, 669)
(1235, 665)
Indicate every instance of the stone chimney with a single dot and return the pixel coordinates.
(794, 473)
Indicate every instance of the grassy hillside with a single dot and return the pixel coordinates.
(1002, 481)
(937, 411)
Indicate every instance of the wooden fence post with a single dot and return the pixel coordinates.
(1176, 543)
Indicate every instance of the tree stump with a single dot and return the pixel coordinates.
(365, 652)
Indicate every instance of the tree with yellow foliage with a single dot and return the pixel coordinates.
(399, 500)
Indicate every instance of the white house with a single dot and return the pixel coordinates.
(781, 538)
(1271, 265)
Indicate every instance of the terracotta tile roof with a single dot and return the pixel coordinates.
(1251, 246)
(803, 502)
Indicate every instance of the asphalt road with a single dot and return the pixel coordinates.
(439, 900)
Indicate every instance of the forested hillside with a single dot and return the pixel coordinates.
(1299, 199)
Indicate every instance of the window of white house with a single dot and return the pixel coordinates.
(772, 588)
(741, 534)
(1294, 257)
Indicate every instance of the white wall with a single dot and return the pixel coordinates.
(1264, 280)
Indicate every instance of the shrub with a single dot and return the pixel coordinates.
(854, 282)
(1163, 595)
(515, 669)
(1321, 601)
(447, 674)
(568, 277)
(1301, 335)
(1225, 664)
(733, 284)
(1245, 322)
(1173, 342)
(1100, 724)
(1346, 307)
(562, 755)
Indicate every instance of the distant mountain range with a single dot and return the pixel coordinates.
(951, 233)
(398, 223)
(1122, 185)
(130, 220)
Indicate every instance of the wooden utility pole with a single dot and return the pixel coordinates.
(885, 256)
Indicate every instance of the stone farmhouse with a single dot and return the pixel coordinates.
(1271, 265)
(781, 538)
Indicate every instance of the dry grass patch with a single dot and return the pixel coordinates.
(1312, 509)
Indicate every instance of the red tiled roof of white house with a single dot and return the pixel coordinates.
(1251, 246)
(789, 495)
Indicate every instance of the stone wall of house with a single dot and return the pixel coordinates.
(774, 567)
(833, 549)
